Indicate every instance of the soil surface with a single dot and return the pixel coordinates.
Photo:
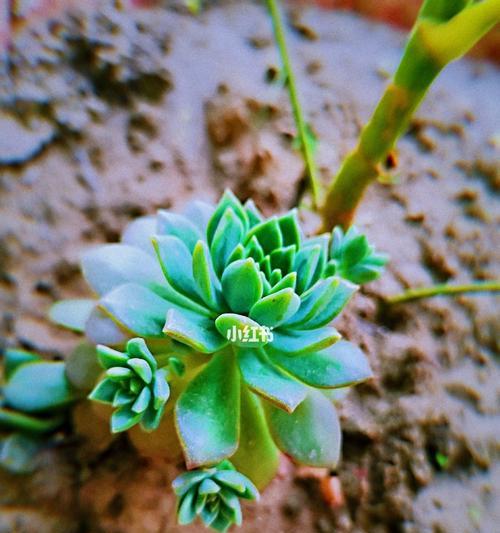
(106, 116)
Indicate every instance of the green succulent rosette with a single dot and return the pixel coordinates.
(353, 258)
(213, 494)
(33, 397)
(133, 385)
(246, 304)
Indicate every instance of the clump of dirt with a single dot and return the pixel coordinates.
(112, 115)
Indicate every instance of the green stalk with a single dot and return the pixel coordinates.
(302, 128)
(443, 289)
(443, 32)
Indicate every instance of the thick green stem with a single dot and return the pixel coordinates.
(444, 289)
(302, 129)
(434, 42)
(23, 422)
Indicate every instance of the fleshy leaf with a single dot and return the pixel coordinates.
(269, 381)
(39, 386)
(268, 234)
(301, 342)
(227, 236)
(194, 330)
(100, 329)
(241, 285)
(139, 233)
(104, 391)
(311, 434)
(204, 276)
(124, 418)
(137, 309)
(207, 412)
(290, 229)
(72, 314)
(257, 456)
(322, 303)
(112, 265)
(339, 365)
(306, 264)
(242, 331)
(276, 308)
(13, 359)
(176, 263)
(199, 213)
(178, 226)
(254, 215)
(228, 201)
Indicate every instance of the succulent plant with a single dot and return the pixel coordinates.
(33, 397)
(353, 258)
(214, 495)
(242, 307)
(133, 385)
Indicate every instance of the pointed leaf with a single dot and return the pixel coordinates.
(276, 308)
(242, 331)
(208, 486)
(254, 215)
(207, 413)
(290, 229)
(204, 276)
(194, 330)
(140, 232)
(111, 265)
(137, 309)
(104, 391)
(300, 342)
(72, 314)
(178, 226)
(176, 263)
(288, 282)
(339, 365)
(228, 201)
(124, 418)
(161, 389)
(199, 213)
(227, 236)
(188, 480)
(241, 285)
(186, 512)
(311, 434)
(142, 401)
(269, 381)
(306, 263)
(268, 234)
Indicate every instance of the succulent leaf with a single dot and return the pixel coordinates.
(207, 412)
(339, 365)
(194, 330)
(352, 257)
(178, 226)
(276, 308)
(294, 342)
(264, 378)
(134, 385)
(311, 434)
(112, 265)
(241, 285)
(39, 386)
(72, 314)
(228, 235)
(213, 494)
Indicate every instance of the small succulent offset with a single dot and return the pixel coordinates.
(232, 313)
(213, 494)
(133, 385)
(33, 399)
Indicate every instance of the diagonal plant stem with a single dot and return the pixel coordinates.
(442, 290)
(306, 144)
(443, 32)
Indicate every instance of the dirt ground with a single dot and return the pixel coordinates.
(105, 116)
